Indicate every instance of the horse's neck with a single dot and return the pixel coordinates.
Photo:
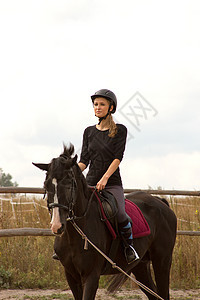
(81, 201)
(82, 193)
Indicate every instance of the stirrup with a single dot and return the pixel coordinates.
(135, 252)
(132, 255)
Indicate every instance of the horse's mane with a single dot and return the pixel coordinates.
(82, 180)
(68, 151)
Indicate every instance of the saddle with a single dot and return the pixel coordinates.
(108, 211)
(109, 204)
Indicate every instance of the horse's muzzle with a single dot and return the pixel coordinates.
(60, 231)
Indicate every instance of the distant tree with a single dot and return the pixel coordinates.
(6, 179)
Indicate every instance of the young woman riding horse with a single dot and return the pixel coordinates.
(102, 149)
(73, 202)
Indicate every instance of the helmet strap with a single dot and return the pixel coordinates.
(103, 118)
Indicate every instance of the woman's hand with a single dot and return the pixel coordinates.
(102, 183)
(104, 179)
(82, 166)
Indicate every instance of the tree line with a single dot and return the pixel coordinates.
(6, 179)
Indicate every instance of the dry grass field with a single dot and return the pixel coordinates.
(25, 262)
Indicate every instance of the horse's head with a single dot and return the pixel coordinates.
(60, 185)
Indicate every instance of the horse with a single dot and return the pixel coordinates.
(72, 201)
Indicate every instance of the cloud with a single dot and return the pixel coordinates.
(170, 171)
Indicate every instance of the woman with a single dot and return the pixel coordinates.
(102, 149)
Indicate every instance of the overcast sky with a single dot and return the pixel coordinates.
(55, 54)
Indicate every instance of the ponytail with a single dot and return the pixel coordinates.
(112, 127)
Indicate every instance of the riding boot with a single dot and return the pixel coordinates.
(55, 256)
(125, 229)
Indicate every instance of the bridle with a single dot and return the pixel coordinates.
(70, 207)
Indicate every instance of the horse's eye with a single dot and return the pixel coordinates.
(49, 186)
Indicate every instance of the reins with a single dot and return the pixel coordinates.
(114, 265)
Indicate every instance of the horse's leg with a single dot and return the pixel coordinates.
(75, 286)
(142, 273)
(161, 267)
(90, 286)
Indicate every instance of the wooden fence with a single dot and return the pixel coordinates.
(47, 232)
(31, 190)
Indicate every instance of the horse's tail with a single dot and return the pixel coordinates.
(163, 200)
(116, 282)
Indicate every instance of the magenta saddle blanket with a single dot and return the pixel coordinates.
(140, 227)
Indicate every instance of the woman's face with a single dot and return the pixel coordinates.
(101, 106)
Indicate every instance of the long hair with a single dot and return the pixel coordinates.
(112, 127)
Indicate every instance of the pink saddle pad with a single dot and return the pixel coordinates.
(140, 226)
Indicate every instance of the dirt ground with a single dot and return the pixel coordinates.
(101, 294)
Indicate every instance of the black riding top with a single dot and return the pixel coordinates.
(99, 150)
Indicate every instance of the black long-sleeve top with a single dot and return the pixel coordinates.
(99, 150)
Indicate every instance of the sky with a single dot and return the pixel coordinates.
(55, 54)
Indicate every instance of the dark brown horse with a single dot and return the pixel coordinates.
(71, 200)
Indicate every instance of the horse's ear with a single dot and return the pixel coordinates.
(71, 149)
(43, 167)
(74, 159)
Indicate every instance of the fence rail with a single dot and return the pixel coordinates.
(164, 192)
(47, 232)
(19, 190)
(31, 190)
(25, 232)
